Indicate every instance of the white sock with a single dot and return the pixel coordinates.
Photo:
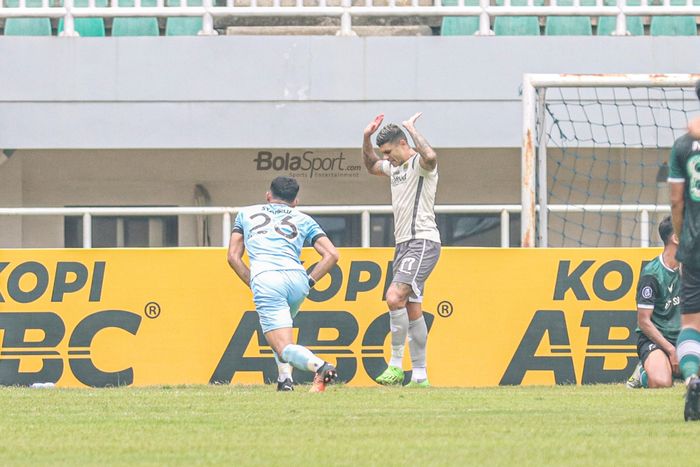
(398, 325)
(419, 374)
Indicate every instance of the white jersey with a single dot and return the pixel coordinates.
(413, 199)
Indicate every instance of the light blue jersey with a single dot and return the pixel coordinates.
(274, 235)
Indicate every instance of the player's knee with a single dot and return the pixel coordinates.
(657, 380)
(395, 300)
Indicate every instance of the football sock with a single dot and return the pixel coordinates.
(284, 370)
(644, 378)
(417, 340)
(398, 323)
(688, 350)
(302, 358)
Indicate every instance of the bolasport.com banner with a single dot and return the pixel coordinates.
(143, 317)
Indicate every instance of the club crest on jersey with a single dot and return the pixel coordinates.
(647, 292)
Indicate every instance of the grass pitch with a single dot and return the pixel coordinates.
(590, 425)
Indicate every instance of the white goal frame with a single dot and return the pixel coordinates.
(534, 146)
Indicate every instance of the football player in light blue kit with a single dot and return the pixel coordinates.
(274, 234)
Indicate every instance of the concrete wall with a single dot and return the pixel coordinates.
(291, 91)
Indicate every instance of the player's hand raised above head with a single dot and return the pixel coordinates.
(374, 124)
(411, 121)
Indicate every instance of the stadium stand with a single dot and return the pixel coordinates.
(517, 25)
(27, 26)
(135, 26)
(352, 17)
(607, 24)
(569, 25)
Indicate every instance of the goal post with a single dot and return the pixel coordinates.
(594, 152)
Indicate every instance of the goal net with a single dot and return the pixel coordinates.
(595, 153)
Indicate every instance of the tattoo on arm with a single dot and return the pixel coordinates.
(427, 153)
(369, 157)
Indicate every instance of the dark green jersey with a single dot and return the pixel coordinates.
(684, 166)
(659, 290)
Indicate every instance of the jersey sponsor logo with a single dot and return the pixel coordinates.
(648, 292)
(398, 179)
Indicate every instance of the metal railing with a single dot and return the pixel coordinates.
(346, 10)
(505, 210)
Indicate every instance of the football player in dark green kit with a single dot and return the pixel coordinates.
(658, 315)
(684, 184)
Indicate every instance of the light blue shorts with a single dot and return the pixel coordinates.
(278, 296)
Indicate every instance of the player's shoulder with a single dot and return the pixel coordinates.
(653, 267)
(686, 144)
(252, 209)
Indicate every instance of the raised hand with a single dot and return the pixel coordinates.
(410, 123)
(374, 125)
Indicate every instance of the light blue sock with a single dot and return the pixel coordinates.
(302, 358)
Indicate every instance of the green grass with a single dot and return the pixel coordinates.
(601, 425)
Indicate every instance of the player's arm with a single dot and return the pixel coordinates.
(329, 257)
(428, 157)
(372, 162)
(236, 248)
(677, 205)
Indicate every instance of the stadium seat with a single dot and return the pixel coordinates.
(26, 26)
(459, 25)
(674, 25)
(569, 25)
(517, 25)
(608, 24)
(87, 27)
(183, 26)
(135, 26)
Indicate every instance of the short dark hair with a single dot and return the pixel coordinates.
(391, 133)
(284, 188)
(697, 88)
(666, 229)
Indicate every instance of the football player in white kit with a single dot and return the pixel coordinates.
(413, 175)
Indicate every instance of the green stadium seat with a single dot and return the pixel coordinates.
(87, 27)
(608, 24)
(569, 25)
(517, 25)
(459, 25)
(26, 26)
(674, 25)
(184, 26)
(123, 27)
(189, 26)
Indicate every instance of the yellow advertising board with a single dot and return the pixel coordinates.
(180, 316)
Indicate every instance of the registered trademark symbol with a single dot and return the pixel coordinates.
(152, 310)
(445, 309)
